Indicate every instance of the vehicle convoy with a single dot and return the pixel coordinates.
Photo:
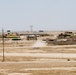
(67, 38)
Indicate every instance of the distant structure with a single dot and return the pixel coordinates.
(31, 37)
(31, 27)
(8, 31)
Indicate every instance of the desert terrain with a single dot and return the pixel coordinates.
(35, 57)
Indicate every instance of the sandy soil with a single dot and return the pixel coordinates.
(23, 59)
(51, 55)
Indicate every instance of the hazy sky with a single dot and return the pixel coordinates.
(42, 14)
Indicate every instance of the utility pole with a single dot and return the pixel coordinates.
(3, 44)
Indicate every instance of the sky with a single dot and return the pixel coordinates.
(19, 15)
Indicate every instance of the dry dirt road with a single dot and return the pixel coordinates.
(51, 55)
(38, 68)
(51, 60)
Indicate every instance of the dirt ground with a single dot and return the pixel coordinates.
(23, 59)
